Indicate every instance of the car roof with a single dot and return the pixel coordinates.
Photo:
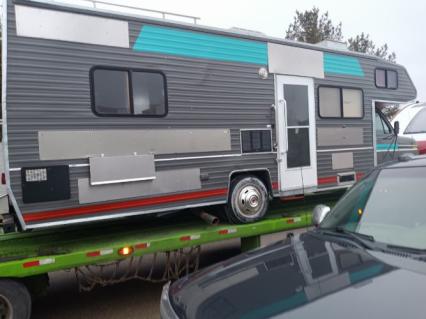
(407, 161)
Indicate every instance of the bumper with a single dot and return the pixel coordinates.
(166, 309)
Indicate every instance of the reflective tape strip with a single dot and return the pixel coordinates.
(41, 262)
(190, 237)
(142, 245)
(33, 263)
(293, 220)
(47, 261)
(101, 252)
(227, 231)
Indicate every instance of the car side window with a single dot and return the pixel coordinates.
(417, 124)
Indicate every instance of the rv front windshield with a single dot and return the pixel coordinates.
(388, 205)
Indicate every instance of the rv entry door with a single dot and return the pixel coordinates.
(296, 134)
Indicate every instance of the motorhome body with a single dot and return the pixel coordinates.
(109, 115)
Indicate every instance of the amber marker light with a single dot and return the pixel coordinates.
(125, 251)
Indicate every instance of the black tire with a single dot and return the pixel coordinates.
(15, 300)
(248, 200)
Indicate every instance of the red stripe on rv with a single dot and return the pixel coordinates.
(93, 209)
(327, 180)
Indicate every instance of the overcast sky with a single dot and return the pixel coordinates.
(399, 23)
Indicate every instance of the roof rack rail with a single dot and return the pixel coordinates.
(122, 8)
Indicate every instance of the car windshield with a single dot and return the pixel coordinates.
(388, 205)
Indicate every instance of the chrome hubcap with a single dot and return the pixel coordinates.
(5, 308)
(249, 200)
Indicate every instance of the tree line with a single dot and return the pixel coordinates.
(312, 27)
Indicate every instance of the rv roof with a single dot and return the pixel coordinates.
(131, 11)
(121, 8)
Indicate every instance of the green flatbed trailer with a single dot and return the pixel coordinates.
(27, 258)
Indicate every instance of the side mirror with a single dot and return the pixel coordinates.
(396, 127)
(319, 213)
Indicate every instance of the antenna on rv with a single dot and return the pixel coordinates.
(122, 8)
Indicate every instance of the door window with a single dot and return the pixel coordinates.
(296, 97)
(298, 148)
(298, 154)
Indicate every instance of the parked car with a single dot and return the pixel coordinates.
(365, 259)
(390, 145)
(412, 123)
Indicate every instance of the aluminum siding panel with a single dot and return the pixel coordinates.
(363, 159)
(48, 89)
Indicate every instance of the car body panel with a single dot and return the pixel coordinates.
(306, 276)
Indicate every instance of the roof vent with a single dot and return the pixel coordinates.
(333, 45)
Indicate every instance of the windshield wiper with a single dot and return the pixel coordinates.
(408, 250)
(362, 240)
(343, 230)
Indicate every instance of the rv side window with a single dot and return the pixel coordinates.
(386, 79)
(337, 102)
(380, 78)
(329, 101)
(392, 79)
(148, 94)
(127, 92)
(111, 92)
(352, 103)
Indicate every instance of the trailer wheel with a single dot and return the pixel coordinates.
(248, 201)
(15, 300)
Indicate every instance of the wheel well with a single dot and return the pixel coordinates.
(263, 175)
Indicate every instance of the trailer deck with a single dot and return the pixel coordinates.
(38, 252)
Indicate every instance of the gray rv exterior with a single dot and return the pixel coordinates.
(49, 99)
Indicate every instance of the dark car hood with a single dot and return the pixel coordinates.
(309, 277)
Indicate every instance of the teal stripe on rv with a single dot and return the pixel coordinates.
(200, 45)
(387, 147)
(342, 64)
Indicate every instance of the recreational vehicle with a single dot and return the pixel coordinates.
(109, 114)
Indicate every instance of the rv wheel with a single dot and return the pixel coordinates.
(248, 201)
(15, 300)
